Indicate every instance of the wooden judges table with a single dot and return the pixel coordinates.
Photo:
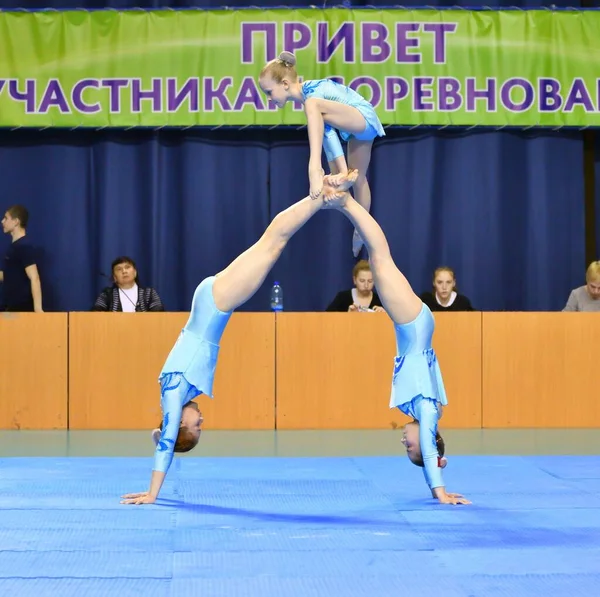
(298, 370)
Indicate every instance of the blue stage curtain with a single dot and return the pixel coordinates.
(182, 205)
(504, 209)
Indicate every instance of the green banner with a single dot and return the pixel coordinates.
(200, 68)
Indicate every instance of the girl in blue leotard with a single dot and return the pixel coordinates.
(190, 367)
(417, 386)
(330, 108)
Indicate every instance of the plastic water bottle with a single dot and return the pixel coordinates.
(277, 297)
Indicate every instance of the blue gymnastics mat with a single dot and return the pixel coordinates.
(300, 527)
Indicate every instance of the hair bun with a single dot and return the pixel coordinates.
(287, 58)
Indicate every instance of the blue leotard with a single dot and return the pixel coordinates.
(333, 91)
(190, 367)
(418, 387)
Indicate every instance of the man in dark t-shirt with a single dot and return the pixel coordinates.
(22, 288)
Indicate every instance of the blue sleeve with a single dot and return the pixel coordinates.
(428, 420)
(171, 407)
(331, 144)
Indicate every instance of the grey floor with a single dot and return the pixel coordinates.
(301, 443)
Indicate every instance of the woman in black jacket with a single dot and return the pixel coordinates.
(445, 296)
(126, 294)
(360, 298)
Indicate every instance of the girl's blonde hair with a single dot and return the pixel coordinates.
(593, 271)
(282, 67)
(362, 266)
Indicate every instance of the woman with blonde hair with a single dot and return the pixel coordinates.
(362, 297)
(445, 296)
(330, 108)
(586, 298)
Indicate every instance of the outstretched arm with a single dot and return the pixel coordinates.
(316, 131)
(334, 151)
(163, 456)
(171, 407)
(338, 166)
(428, 419)
(36, 287)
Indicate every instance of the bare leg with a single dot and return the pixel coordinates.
(237, 283)
(359, 157)
(342, 116)
(394, 290)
